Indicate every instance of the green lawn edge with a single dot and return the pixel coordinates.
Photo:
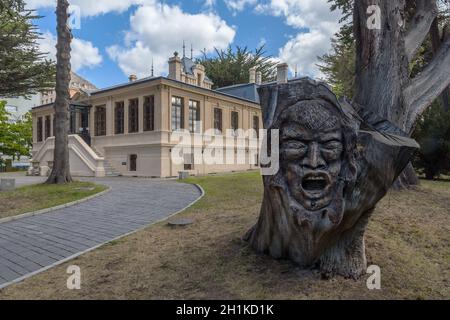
(37, 197)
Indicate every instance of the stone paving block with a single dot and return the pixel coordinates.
(28, 244)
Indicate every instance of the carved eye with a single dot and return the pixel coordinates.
(333, 145)
(294, 144)
(294, 149)
(332, 150)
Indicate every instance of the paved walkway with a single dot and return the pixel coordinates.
(22, 179)
(33, 244)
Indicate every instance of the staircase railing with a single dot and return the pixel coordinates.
(80, 149)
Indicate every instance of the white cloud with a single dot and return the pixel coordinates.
(262, 42)
(83, 54)
(239, 5)
(321, 24)
(91, 7)
(302, 51)
(209, 3)
(158, 30)
(137, 60)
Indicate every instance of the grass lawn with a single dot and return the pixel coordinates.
(42, 196)
(409, 238)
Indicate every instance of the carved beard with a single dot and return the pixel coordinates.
(307, 231)
(324, 219)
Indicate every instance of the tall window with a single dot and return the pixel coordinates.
(119, 118)
(218, 120)
(133, 116)
(256, 125)
(194, 116)
(47, 127)
(72, 122)
(39, 129)
(100, 120)
(234, 121)
(149, 113)
(84, 119)
(54, 125)
(177, 113)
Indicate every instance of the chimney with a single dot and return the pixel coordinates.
(175, 67)
(258, 77)
(252, 75)
(282, 73)
(132, 78)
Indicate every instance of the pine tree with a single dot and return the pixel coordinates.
(230, 67)
(24, 71)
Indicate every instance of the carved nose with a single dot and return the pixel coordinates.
(314, 158)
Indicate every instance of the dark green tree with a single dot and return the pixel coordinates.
(433, 134)
(230, 67)
(24, 70)
(339, 65)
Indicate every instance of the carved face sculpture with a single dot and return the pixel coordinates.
(331, 175)
(311, 151)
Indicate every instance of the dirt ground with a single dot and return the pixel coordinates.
(408, 237)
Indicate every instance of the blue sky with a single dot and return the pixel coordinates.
(120, 37)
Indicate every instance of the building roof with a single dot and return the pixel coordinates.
(80, 83)
(150, 79)
(248, 91)
(188, 67)
(234, 95)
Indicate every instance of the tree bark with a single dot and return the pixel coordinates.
(381, 60)
(427, 86)
(426, 13)
(436, 42)
(383, 85)
(382, 63)
(61, 167)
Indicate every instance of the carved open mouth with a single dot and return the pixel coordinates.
(316, 183)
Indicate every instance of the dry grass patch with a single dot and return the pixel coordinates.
(42, 196)
(409, 238)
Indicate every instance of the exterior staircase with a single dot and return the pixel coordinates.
(110, 171)
(84, 161)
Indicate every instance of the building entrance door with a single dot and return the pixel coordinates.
(133, 162)
(79, 121)
(84, 126)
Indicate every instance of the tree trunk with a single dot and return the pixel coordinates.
(407, 179)
(337, 160)
(61, 168)
(382, 65)
(336, 163)
(381, 61)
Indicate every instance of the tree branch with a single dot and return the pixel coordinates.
(420, 26)
(436, 41)
(428, 85)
